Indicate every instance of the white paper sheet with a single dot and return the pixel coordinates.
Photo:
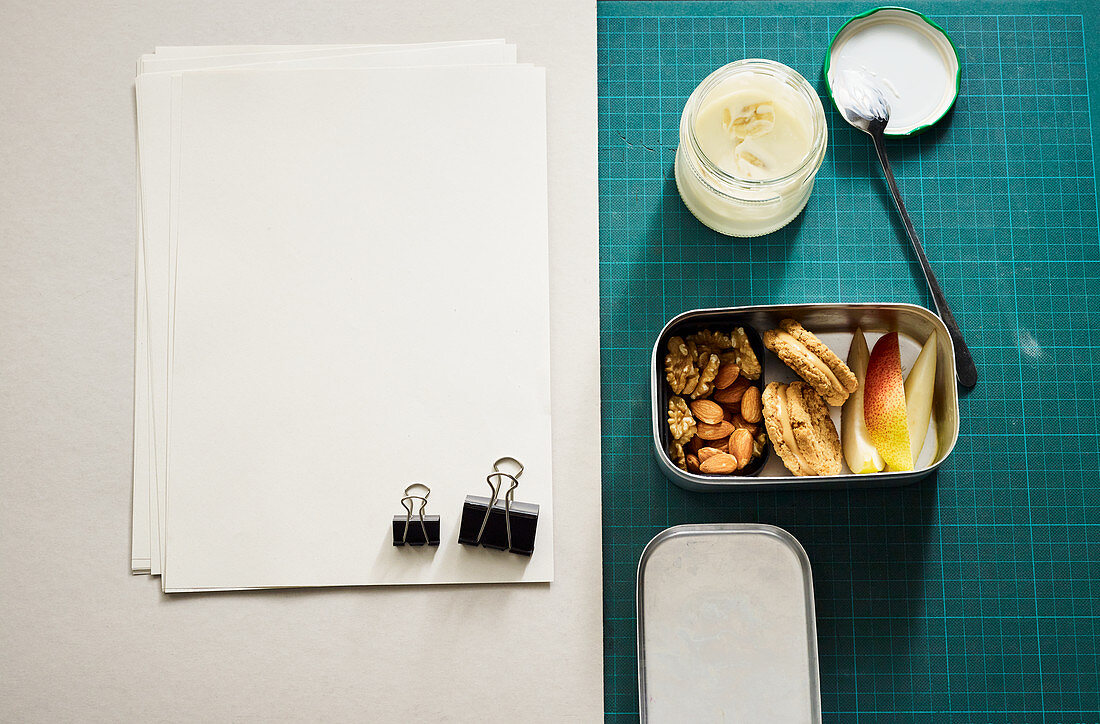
(417, 54)
(341, 332)
(154, 112)
(192, 51)
(139, 524)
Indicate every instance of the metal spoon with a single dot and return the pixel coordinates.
(865, 107)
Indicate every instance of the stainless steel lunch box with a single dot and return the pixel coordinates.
(726, 626)
(912, 322)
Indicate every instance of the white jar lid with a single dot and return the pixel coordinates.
(908, 56)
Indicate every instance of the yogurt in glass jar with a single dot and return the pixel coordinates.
(752, 138)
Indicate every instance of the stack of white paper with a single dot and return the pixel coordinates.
(342, 288)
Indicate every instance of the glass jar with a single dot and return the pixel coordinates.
(739, 206)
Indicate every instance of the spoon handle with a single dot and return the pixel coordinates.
(964, 362)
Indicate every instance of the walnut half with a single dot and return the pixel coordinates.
(680, 422)
(708, 370)
(707, 343)
(676, 452)
(680, 369)
(714, 342)
(744, 357)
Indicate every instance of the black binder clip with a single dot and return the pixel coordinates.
(501, 524)
(424, 530)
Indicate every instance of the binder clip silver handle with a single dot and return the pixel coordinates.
(495, 480)
(516, 475)
(407, 502)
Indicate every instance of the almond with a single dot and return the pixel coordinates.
(751, 408)
(714, 432)
(740, 446)
(695, 443)
(727, 375)
(707, 452)
(741, 424)
(719, 464)
(707, 411)
(728, 413)
(692, 463)
(733, 393)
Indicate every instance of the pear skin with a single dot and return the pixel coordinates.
(884, 408)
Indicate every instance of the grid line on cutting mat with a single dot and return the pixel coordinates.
(973, 595)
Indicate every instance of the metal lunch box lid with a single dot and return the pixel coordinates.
(726, 627)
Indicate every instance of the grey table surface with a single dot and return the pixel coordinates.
(84, 640)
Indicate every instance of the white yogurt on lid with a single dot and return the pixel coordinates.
(911, 61)
(861, 92)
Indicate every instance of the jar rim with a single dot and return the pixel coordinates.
(777, 70)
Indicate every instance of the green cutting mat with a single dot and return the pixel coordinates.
(973, 596)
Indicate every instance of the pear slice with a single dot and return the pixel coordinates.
(860, 454)
(884, 408)
(919, 389)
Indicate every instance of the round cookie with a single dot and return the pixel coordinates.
(814, 431)
(773, 425)
(843, 372)
(807, 365)
(795, 357)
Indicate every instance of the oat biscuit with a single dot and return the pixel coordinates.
(800, 429)
(812, 360)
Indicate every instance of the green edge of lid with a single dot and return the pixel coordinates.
(925, 18)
